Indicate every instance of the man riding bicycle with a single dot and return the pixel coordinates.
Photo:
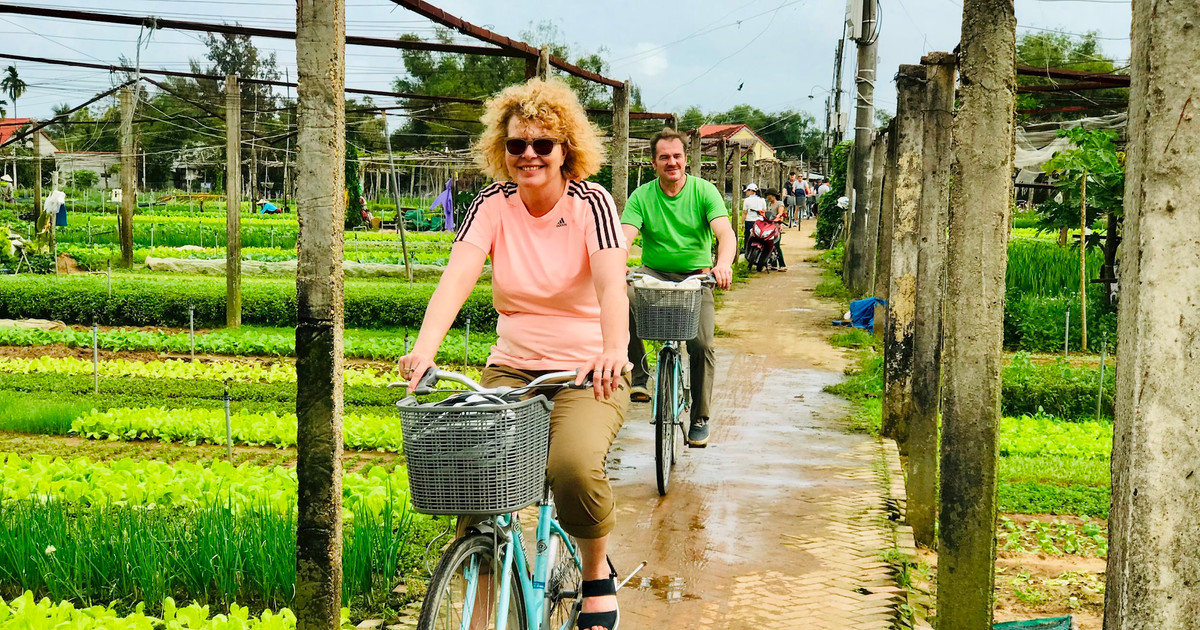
(677, 217)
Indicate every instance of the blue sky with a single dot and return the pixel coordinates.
(680, 53)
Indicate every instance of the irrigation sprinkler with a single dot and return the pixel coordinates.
(467, 343)
(228, 426)
(152, 236)
(1067, 335)
(95, 358)
(272, 237)
(109, 278)
(90, 233)
(405, 341)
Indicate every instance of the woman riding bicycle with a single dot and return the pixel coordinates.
(558, 284)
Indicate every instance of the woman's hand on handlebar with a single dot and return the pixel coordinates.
(413, 366)
(605, 371)
(723, 274)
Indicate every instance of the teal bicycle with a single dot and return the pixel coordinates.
(481, 453)
(669, 312)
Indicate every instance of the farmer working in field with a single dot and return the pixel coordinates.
(678, 216)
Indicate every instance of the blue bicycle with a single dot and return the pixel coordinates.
(669, 312)
(481, 453)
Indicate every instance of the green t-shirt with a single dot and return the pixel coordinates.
(676, 236)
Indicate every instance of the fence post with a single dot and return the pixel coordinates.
(128, 176)
(695, 156)
(881, 283)
(228, 425)
(902, 203)
(931, 278)
(233, 203)
(864, 280)
(467, 343)
(95, 358)
(320, 300)
(619, 151)
(980, 202)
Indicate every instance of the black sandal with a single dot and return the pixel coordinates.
(599, 588)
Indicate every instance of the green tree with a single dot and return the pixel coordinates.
(793, 133)
(691, 118)
(354, 207)
(12, 85)
(1093, 155)
(82, 179)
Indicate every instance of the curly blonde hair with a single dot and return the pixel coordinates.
(551, 104)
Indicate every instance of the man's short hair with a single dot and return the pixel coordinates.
(666, 134)
(792, 174)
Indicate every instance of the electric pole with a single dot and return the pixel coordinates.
(856, 272)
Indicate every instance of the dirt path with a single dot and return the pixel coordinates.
(781, 521)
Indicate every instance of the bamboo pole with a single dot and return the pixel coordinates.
(1083, 262)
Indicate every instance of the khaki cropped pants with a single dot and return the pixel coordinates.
(582, 429)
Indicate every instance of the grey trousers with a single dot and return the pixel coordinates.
(701, 354)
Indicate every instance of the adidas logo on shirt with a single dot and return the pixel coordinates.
(561, 223)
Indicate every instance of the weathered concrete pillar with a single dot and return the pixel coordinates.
(694, 154)
(883, 251)
(905, 182)
(543, 63)
(128, 176)
(1154, 556)
(980, 202)
(619, 150)
(859, 262)
(931, 280)
(37, 171)
(752, 165)
(736, 208)
(233, 202)
(721, 167)
(321, 143)
(866, 267)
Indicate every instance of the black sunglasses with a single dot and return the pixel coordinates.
(541, 146)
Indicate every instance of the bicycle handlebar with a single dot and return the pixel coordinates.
(427, 384)
(706, 279)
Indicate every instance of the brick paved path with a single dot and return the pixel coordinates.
(783, 521)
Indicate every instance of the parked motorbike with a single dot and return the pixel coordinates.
(764, 237)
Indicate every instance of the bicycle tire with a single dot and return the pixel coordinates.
(664, 420)
(438, 610)
(564, 590)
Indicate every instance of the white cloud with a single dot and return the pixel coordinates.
(650, 63)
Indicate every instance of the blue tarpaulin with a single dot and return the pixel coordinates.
(862, 313)
(1055, 623)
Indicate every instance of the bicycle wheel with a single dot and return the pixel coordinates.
(664, 419)
(467, 565)
(564, 590)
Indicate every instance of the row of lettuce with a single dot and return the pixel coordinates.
(126, 533)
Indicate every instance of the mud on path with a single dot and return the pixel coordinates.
(780, 522)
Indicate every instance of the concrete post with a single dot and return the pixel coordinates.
(905, 184)
(858, 259)
(694, 154)
(531, 67)
(37, 174)
(752, 165)
(1155, 519)
(321, 140)
(736, 206)
(883, 251)
(931, 279)
(233, 202)
(128, 177)
(721, 172)
(543, 64)
(619, 150)
(866, 267)
(976, 258)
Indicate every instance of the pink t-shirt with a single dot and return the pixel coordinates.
(541, 272)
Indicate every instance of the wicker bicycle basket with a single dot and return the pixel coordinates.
(476, 460)
(670, 314)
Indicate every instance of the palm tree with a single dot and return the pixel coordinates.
(13, 86)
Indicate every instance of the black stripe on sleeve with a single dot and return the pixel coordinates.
(602, 212)
(489, 191)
